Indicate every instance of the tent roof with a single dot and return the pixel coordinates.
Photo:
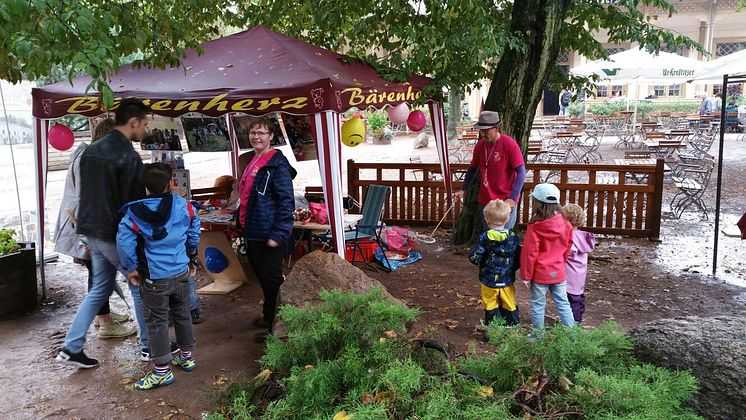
(255, 72)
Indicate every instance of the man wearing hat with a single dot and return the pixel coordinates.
(500, 160)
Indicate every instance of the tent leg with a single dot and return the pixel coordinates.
(40, 148)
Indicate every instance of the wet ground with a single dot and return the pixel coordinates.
(630, 280)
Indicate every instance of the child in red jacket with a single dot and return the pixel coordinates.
(545, 249)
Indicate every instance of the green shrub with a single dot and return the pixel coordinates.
(348, 358)
(8, 244)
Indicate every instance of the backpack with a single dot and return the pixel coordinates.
(566, 97)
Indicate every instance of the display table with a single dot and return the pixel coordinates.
(348, 221)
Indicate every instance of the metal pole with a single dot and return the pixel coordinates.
(720, 176)
(13, 161)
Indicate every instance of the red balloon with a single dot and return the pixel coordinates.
(416, 121)
(61, 137)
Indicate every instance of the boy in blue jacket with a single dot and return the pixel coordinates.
(156, 240)
(495, 254)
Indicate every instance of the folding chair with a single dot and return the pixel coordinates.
(370, 226)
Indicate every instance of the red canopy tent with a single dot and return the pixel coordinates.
(254, 72)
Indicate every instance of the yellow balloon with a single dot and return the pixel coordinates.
(353, 132)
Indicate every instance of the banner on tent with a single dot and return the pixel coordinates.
(317, 99)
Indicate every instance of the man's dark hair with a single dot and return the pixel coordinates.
(129, 108)
(156, 176)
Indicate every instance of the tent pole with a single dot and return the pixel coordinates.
(720, 177)
(13, 162)
(40, 152)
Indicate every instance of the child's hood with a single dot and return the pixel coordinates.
(498, 235)
(583, 241)
(553, 227)
(153, 215)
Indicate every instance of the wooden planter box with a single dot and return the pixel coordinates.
(18, 289)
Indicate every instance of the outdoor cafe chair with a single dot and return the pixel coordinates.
(587, 150)
(692, 186)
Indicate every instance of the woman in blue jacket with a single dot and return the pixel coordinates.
(266, 214)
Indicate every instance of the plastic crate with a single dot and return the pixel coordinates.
(365, 253)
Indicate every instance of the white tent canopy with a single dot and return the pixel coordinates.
(732, 64)
(640, 65)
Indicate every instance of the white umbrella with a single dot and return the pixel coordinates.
(732, 64)
(640, 65)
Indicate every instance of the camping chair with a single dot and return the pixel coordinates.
(370, 226)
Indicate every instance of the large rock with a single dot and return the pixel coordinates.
(713, 349)
(325, 270)
(422, 140)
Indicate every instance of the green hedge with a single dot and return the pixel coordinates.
(644, 108)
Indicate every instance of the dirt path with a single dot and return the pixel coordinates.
(630, 280)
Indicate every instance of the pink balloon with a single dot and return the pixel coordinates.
(416, 121)
(398, 114)
(61, 137)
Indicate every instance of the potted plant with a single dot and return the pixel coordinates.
(18, 280)
(378, 129)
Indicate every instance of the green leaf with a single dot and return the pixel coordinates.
(107, 95)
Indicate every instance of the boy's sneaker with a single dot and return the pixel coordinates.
(145, 353)
(153, 380)
(186, 365)
(76, 359)
(115, 330)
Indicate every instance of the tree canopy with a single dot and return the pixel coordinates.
(458, 42)
(41, 37)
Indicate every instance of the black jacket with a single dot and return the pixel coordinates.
(110, 177)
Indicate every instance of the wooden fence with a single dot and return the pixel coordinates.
(619, 200)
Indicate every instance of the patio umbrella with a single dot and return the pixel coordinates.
(637, 65)
(640, 65)
(732, 64)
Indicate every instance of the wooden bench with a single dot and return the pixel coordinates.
(206, 194)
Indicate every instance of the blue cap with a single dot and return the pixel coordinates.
(546, 193)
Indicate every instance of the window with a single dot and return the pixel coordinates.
(617, 88)
(603, 91)
(674, 90)
(614, 50)
(725, 48)
(563, 57)
(660, 90)
(717, 89)
(678, 50)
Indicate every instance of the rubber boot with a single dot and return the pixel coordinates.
(489, 317)
(511, 317)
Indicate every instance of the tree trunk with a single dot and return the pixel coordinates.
(517, 85)
(520, 77)
(469, 225)
(454, 112)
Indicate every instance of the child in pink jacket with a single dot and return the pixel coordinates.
(577, 262)
(545, 250)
